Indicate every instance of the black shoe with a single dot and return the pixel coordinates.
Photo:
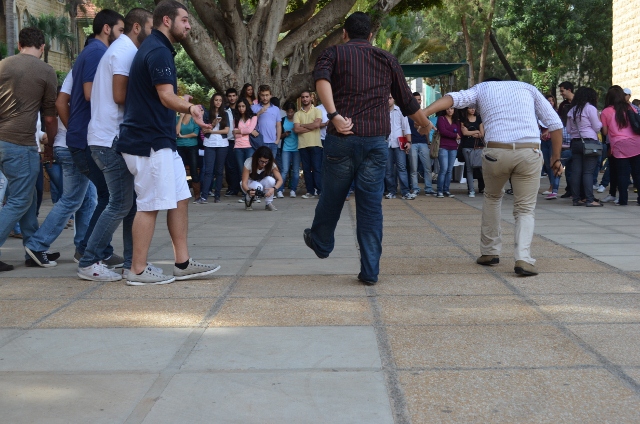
(5, 267)
(366, 281)
(230, 193)
(509, 191)
(310, 244)
(566, 195)
(41, 258)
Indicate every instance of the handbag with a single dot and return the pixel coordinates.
(256, 141)
(590, 147)
(634, 120)
(434, 149)
(476, 155)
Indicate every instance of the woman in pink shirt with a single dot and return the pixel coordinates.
(246, 122)
(625, 144)
(583, 124)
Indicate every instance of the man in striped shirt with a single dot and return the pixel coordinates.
(510, 112)
(354, 80)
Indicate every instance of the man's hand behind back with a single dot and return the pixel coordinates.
(342, 125)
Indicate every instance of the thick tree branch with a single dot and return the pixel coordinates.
(265, 27)
(379, 11)
(323, 21)
(211, 16)
(299, 16)
(335, 37)
(208, 59)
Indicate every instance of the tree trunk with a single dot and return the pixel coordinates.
(485, 41)
(502, 57)
(10, 14)
(46, 53)
(467, 43)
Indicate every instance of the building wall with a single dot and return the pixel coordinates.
(57, 58)
(626, 51)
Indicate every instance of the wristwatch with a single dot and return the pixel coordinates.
(330, 116)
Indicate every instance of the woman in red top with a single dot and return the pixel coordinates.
(625, 144)
(450, 132)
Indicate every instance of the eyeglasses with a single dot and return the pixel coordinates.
(263, 161)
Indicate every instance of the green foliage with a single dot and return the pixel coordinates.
(124, 6)
(3, 49)
(54, 28)
(405, 36)
(61, 76)
(187, 70)
(201, 95)
(414, 6)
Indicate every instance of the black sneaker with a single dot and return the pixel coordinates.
(30, 263)
(5, 267)
(310, 244)
(230, 193)
(366, 281)
(565, 195)
(114, 261)
(41, 258)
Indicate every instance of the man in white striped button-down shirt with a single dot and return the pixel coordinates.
(510, 111)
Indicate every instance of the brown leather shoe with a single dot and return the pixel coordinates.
(525, 268)
(488, 260)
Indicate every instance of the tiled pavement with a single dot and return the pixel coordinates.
(279, 336)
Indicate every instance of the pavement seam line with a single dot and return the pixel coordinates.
(395, 392)
(615, 370)
(144, 405)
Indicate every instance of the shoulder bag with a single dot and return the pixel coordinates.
(634, 120)
(590, 147)
(434, 149)
(476, 154)
(256, 141)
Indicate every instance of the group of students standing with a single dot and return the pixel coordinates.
(613, 128)
(240, 125)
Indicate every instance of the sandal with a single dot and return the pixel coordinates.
(594, 205)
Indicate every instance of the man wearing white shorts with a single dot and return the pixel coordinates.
(148, 145)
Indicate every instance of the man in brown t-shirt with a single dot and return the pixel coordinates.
(27, 85)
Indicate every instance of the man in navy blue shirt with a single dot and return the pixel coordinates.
(107, 27)
(148, 145)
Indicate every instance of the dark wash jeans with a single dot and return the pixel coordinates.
(582, 172)
(86, 165)
(626, 167)
(363, 160)
(311, 158)
(121, 207)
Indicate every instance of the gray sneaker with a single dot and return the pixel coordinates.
(270, 207)
(194, 270)
(114, 261)
(149, 277)
(125, 271)
(77, 256)
(98, 272)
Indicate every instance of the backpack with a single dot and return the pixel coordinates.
(634, 120)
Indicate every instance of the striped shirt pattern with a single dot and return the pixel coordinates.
(361, 77)
(510, 110)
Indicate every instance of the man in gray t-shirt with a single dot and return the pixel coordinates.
(26, 85)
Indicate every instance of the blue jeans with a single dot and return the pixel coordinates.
(231, 171)
(274, 149)
(311, 158)
(545, 146)
(582, 176)
(121, 207)
(420, 151)
(214, 160)
(87, 166)
(566, 156)
(397, 158)
(54, 171)
(20, 166)
(241, 156)
(290, 162)
(3, 188)
(74, 191)
(446, 158)
(364, 160)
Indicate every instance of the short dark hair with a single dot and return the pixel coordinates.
(289, 105)
(358, 25)
(31, 37)
(263, 88)
(567, 85)
(138, 16)
(106, 17)
(305, 91)
(492, 79)
(275, 101)
(167, 8)
(231, 91)
(415, 93)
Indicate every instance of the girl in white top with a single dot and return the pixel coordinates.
(216, 147)
(261, 173)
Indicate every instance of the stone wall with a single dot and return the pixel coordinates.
(626, 47)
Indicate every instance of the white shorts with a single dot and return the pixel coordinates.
(160, 180)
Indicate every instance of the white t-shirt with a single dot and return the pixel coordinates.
(215, 140)
(325, 118)
(61, 136)
(230, 134)
(106, 115)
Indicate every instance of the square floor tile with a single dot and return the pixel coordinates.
(42, 288)
(441, 284)
(24, 313)
(299, 286)
(619, 343)
(591, 308)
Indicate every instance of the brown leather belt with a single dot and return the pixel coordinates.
(512, 146)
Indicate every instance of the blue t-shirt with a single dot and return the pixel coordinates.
(267, 122)
(290, 141)
(416, 137)
(84, 70)
(147, 123)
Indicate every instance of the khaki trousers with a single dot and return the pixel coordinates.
(523, 167)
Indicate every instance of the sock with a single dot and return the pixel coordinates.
(183, 265)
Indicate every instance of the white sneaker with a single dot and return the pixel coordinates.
(472, 194)
(148, 276)
(608, 198)
(270, 207)
(125, 271)
(308, 196)
(292, 193)
(194, 270)
(98, 272)
(390, 196)
(595, 187)
(601, 188)
(546, 192)
(280, 195)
